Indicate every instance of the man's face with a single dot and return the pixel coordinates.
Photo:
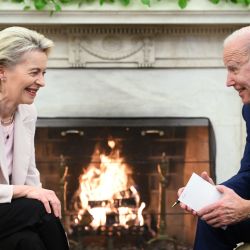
(238, 68)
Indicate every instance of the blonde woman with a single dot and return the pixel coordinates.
(29, 214)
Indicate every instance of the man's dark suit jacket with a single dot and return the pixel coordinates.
(240, 182)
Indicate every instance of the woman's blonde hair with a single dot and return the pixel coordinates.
(15, 41)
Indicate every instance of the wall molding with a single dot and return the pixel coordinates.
(126, 17)
(136, 46)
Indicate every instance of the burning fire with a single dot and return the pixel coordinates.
(107, 191)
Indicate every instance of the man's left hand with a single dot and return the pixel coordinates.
(230, 209)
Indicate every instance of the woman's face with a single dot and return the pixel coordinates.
(23, 80)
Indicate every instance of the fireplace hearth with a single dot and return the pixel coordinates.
(144, 161)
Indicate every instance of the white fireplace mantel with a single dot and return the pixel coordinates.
(197, 17)
(167, 65)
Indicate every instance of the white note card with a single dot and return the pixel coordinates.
(199, 193)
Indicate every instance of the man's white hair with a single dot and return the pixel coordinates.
(243, 32)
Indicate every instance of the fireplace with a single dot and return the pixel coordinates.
(145, 161)
(152, 82)
(113, 64)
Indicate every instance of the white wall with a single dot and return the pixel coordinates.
(151, 93)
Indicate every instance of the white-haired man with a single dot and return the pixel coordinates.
(225, 223)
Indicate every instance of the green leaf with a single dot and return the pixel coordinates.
(40, 4)
(57, 7)
(18, 1)
(247, 2)
(86, 1)
(215, 1)
(182, 3)
(240, 1)
(26, 7)
(101, 2)
(125, 2)
(146, 2)
(65, 1)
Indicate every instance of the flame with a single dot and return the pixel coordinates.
(105, 188)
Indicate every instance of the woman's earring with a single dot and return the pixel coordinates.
(2, 79)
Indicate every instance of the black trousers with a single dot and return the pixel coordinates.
(25, 225)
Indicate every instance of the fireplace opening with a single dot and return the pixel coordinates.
(118, 177)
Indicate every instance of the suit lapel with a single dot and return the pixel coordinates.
(22, 148)
(4, 173)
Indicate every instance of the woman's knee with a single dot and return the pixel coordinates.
(29, 211)
(30, 206)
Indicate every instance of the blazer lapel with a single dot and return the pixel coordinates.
(22, 149)
(4, 169)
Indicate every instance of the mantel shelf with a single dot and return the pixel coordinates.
(125, 17)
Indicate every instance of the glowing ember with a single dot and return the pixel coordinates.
(107, 191)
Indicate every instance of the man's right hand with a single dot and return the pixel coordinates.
(207, 178)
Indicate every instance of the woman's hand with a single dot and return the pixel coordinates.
(47, 197)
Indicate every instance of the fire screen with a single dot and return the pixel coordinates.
(118, 177)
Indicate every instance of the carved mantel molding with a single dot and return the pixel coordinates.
(132, 39)
(136, 46)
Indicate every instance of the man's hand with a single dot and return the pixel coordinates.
(183, 206)
(228, 210)
(47, 197)
(206, 177)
